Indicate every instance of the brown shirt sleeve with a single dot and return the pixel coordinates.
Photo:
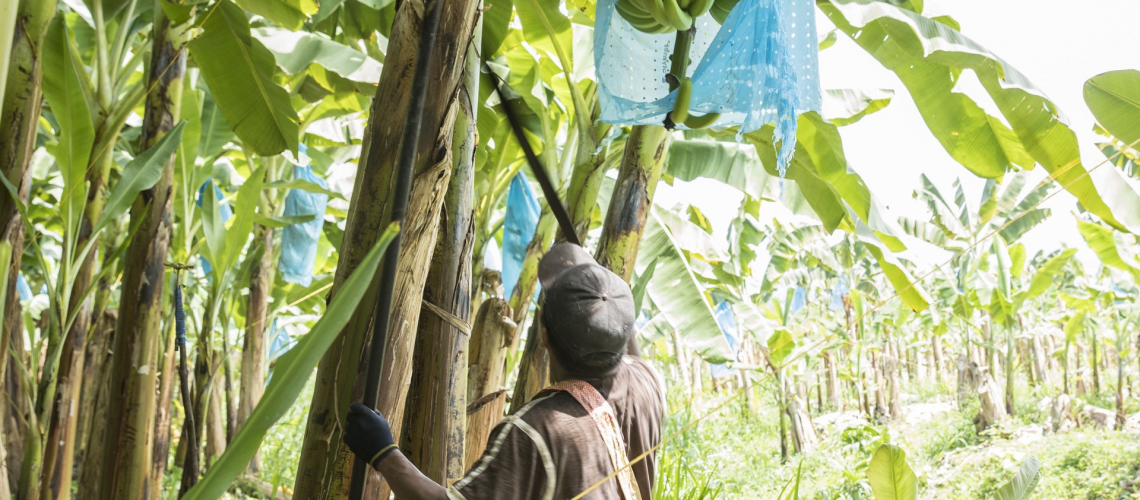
(514, 466)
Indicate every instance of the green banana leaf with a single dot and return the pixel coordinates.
(846, 106)
(282, 220)
(241, 226)
(291, 14)
(675, 290)
(496, 24)
(545, 27)
(1016, 229)
(64, 93)
(290, 374)
(890, 475)
(929, 56)
(827, 181)
(215, 131)
(239, 70)
(909, 290)
(1016, 260)
(1021, 486)
(1004, 268)
(1046, 274)
(1075, 326)
(1114, 99)
(140, 174)
(1103, 241)
(730, 163)
(296, 50)
(780, 345)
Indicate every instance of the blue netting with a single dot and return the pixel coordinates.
(727, 322)
(760, 67)
(519, 224)
(299, 241)
(225, 211)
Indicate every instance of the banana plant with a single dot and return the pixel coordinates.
(1007, 303)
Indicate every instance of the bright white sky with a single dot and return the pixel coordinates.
(1057, 44)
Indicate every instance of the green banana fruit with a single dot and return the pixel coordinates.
(638, 16)
(697, 8)
(698, 122)
(685, 4)
(656, 8)
(721, 8)
(677, 16)
(681, 107)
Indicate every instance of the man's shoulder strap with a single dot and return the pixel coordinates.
(606, 421)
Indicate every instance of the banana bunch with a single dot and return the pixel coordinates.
(721, 8)
(680, 113)
(662, 16)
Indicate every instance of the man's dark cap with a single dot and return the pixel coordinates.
(588, 313)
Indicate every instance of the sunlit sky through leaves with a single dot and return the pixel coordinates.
(1057, 44)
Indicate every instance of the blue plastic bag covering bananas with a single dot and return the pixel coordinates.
(299, 241)
(519, 224)
(759, 67)
(727, 322)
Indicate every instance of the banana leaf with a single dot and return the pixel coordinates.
(239, 70)
(291, 14)
(846, 106)
(890, 475)
(1114, 99)
(65, 95)
(929, 57)
(675, 290)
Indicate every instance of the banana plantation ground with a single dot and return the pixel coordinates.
(205, 239)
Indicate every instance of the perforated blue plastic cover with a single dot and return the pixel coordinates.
(760, 67)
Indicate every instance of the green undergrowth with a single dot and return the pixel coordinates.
(735, 453)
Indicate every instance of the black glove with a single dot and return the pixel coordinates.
(367, 434)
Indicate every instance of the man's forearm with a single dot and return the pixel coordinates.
(406, 481)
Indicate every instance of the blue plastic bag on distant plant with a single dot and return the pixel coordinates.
(519, 224)
(225, 211)
(799, 299)
(841, 289)
(22, 287)
(760, 67)
(727, 322)
(299, 241)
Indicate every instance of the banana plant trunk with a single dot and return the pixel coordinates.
(163, 417)
(96, 393)
(128, 454)
(436, 415)
(1093, 362)
(59, 440)
(491, 336)
(19, 119)
(253, 355)
(831, 365)
(324, 467)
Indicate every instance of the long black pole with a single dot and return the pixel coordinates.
(548, 190)
(405, 163)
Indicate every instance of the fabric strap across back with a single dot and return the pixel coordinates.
(606, 421)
